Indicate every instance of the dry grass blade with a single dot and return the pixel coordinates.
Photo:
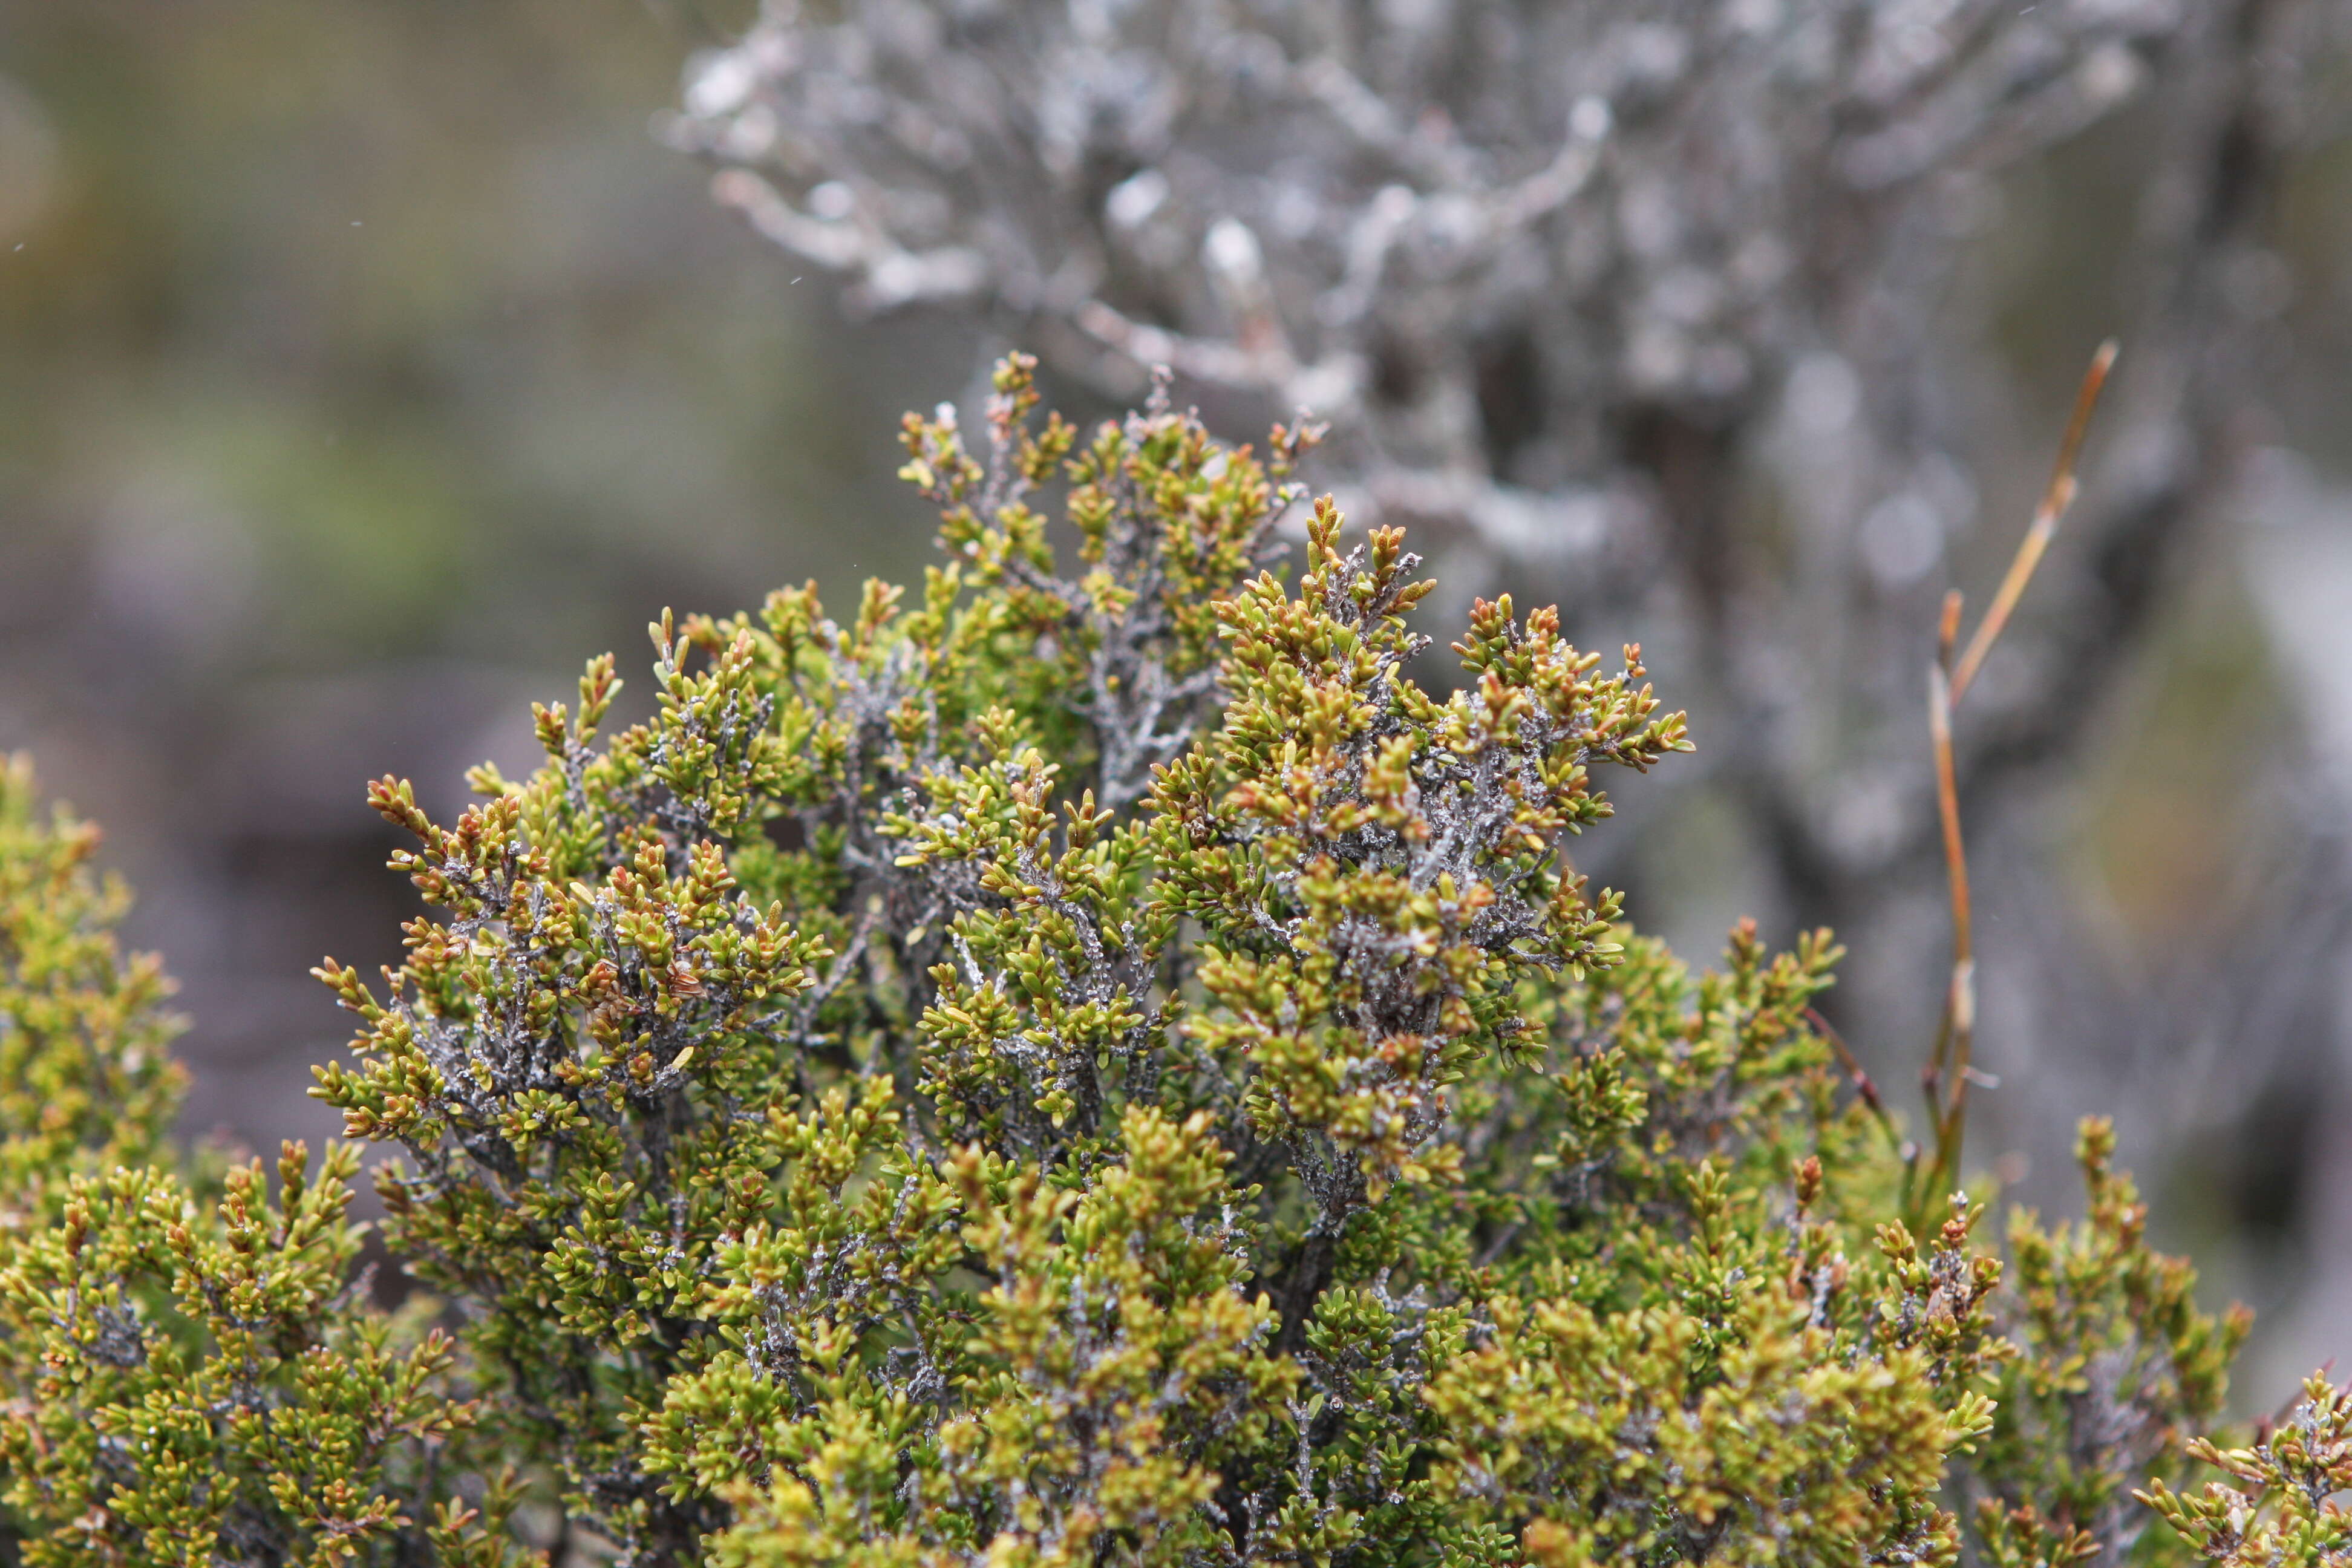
(2055, 500)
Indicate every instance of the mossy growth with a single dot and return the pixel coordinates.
(1090, 1063)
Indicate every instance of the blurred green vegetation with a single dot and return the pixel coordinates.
(406, 302)
(363, 368)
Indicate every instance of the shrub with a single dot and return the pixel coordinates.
(1098, 1064)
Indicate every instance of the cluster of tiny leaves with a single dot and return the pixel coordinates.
(2113, 1370)
(85, 1082)
(2287, 1508)
(1097, 1063)
(195, 1385)
(181, 1380)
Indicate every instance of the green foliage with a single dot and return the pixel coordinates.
(180, 1382)
(2296, 1474)
(1084, 1068)
(85, 1080)
(2115, 1372)
(195, 1386)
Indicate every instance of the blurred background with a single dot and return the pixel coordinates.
(364, 368)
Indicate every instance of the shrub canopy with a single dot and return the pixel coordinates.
(1097, 1063)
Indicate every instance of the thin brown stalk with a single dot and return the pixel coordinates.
(1864, 1089)
(1948, 1070)
(1947, 1073)
(2055, 500)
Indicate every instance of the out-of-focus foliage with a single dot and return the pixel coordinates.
(361, 366)
(1096, 1064)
